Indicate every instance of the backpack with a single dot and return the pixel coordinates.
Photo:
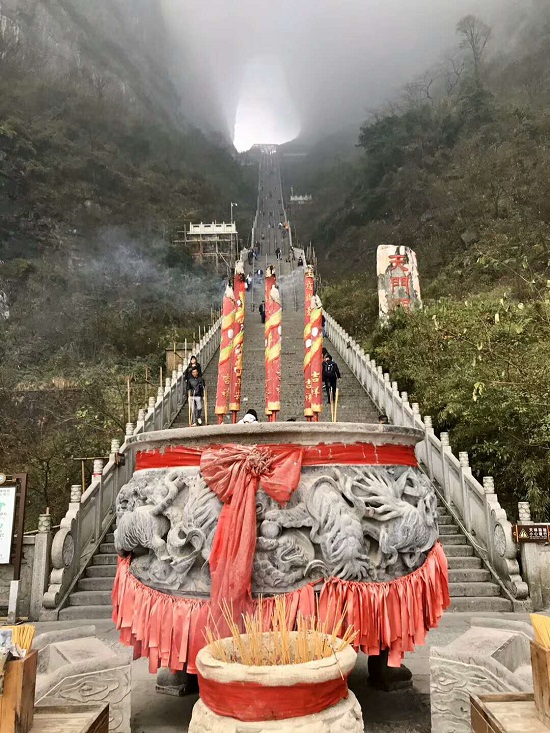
(328, 369)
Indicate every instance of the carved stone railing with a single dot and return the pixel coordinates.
(90, 514)
(474, 505)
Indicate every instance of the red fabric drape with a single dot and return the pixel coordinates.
(234, 473)
(359, 454)
(394, 615)
(252, 702)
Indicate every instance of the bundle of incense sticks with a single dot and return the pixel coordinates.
(541, 626)
(312, 639)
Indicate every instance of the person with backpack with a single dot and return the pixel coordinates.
(331, 375)
(261, 311)
(196, 387)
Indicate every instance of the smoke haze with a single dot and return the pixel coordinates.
(273, 70)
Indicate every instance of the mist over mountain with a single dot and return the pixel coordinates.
(325, 64)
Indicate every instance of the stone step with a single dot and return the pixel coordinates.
(105, 559)
(107, 548)
(474, 589)
(104, 583)
(479, 604)
(449, 529)
(445, 519)
(457, 550)
(90, 598)
(468, 575)
(459, 563)
(85, 612)
(101, 571)
(453, 539)
(109, 537)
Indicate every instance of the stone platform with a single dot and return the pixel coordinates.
(406, 711)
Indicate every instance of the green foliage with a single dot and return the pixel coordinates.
(481, 368)
(94, 186)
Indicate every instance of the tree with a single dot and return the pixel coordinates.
(475, 37)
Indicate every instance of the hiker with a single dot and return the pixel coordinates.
(383, 420)
(331, 375)
(278, 253)
(196, 387)
(300, 262)
(192, 364)
(323, 323)
(250, 257)
(251, 416)
(261, 311)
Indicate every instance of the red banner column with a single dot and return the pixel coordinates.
(226, 350)
(309, 289)
(238, 342)
(273, 320)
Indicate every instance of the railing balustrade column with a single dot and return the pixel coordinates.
(445, 451)
(404, 406)
(428, 429)
(465, 472)
(489, 490)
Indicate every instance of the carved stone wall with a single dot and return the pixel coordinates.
(483, 660)
(368, 523)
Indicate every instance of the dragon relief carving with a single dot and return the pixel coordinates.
(358, 524)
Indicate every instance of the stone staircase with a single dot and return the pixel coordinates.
(91, 598)
(470, 584)
(472, 587)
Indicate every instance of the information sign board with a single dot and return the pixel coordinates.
(531, 532)
(7, 514)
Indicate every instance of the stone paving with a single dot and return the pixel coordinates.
(402, 711)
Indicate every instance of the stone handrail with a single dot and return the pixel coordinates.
(90, 514)
(474, 505)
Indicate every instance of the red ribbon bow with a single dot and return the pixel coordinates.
(234, 473)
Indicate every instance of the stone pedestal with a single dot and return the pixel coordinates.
(75, 667)
(492, 656)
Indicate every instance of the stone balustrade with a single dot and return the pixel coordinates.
(90, 514)
(474, 505)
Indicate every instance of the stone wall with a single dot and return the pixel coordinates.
(6, 576)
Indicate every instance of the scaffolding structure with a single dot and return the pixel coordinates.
(212, 245)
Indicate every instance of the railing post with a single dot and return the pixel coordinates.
(115, 447)
(160, 402)
(489, 490)
(395, 403)
(404, 405)
(465, 472)
(428, 429)
(385, 405)
(524, 512)
(445, 451)
(166, 400)
(41, 563)
(140, 420)
(97, 477)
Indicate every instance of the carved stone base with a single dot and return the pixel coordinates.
(388, 679)
(75, 667)
(177, 684)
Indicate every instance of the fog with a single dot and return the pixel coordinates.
(272, 70)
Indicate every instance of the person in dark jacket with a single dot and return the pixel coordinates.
(261, 311)
(196, 387)
(192, 364)
(331, 375)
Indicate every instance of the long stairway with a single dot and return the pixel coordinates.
(471, 585)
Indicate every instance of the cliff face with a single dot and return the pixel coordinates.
(121, 45)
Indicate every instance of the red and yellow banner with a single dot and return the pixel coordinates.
(273, 321)
(226, 352)
(313, 350)
(309, 290)
(238, 342)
